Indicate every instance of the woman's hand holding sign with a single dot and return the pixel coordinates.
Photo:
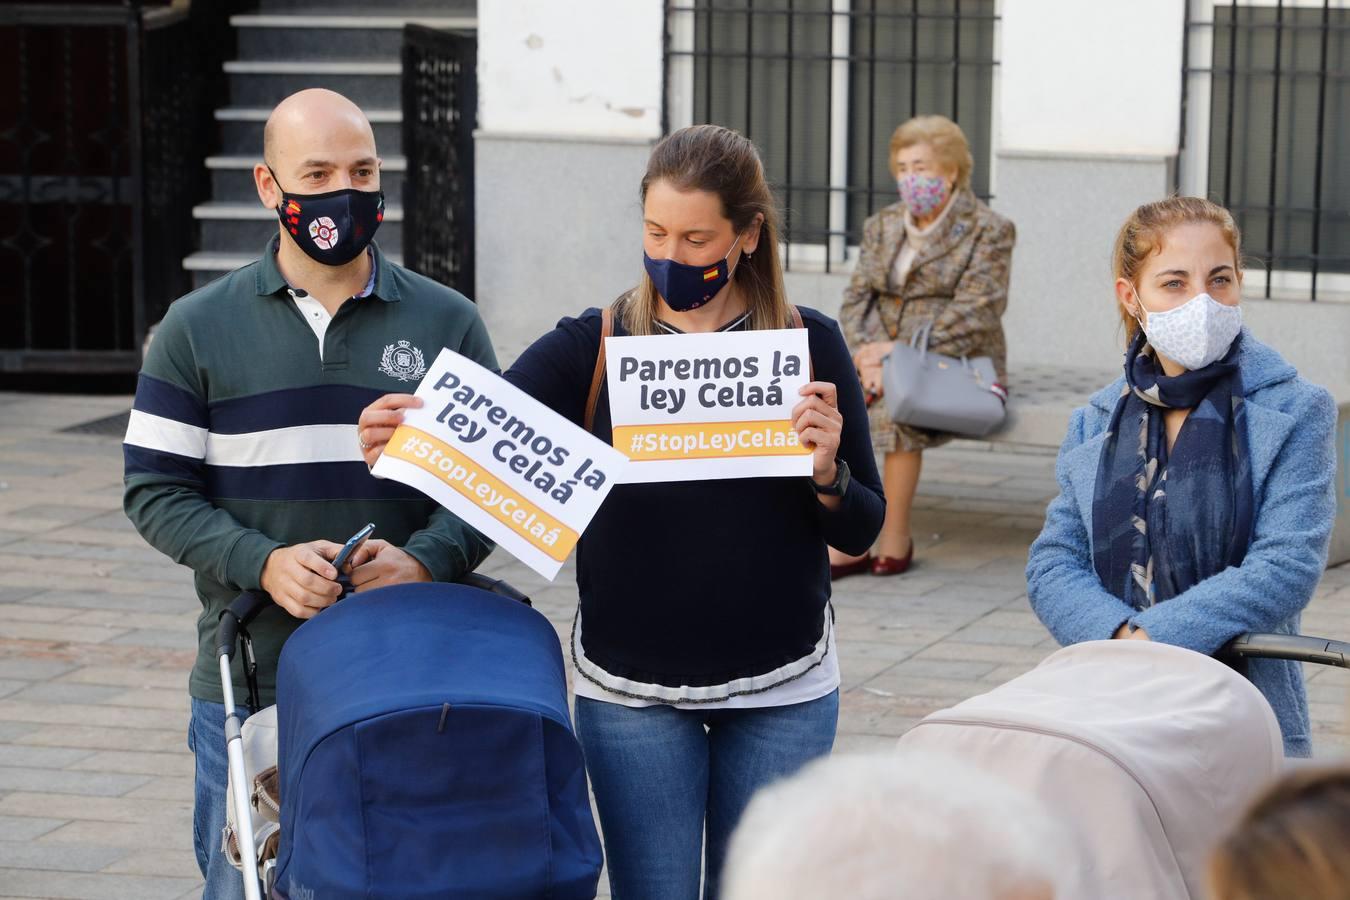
(377, 423)
(817, 421)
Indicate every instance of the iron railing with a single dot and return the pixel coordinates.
(1264, 92)
(819, 85)
(440, 110)
(107, 122)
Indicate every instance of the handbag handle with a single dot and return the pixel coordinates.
(919, 340)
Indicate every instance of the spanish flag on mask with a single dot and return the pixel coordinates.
(710, 274)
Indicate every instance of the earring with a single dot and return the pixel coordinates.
(749, 256)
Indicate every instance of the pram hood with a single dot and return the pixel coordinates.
(425, 749)
(1149, 752)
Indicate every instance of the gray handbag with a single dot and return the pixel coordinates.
(929, 390)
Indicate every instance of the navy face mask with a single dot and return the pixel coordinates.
(332, 228)
(686, 287)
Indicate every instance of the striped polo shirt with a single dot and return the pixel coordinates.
(243, 437)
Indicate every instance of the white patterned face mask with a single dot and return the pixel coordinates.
(1194, 334)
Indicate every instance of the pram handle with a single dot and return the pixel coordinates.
(1298, 647)
(239, 613)
(494, 586)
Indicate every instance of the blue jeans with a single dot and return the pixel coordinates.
(659, 773)
(206, 740)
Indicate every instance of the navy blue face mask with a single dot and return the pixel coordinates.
(332, 228)
(685, 287)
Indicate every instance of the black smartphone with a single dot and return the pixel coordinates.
(349, 548)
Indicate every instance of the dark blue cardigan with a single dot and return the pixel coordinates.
(704, 582)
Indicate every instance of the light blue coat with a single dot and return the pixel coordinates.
(1290, 426)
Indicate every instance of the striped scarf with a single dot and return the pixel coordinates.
(1164, 521)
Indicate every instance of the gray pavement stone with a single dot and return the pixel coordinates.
(16, 855)
(130, 678)
(122, 602)
(129, 835)
(32, 669)
(164, 788)
(93, 886)
(943, 668)
(180, 639)
(41, 757)
(165, 862)
(58, 631)
(25, 828)
(131, 762)
(64, 692)
(104, 738)
(56, 781)
(65, 807)
(33, 612)
(81, 714)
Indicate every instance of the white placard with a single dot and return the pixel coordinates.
(502, 461)
(699, 406)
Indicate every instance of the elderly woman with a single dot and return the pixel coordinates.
(938, 255)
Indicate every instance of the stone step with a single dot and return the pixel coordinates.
(295, 37)
(232, 178)
(369, 84)
(246, 227)
(241, 129)
(206, 266)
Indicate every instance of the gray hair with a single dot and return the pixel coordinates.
(881, 827)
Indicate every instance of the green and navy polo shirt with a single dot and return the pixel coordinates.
(243, 437)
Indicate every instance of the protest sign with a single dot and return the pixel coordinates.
(701, 406)
(502, 461)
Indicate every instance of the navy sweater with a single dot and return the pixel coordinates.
(705, 582)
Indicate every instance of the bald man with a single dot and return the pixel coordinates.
(242, 455)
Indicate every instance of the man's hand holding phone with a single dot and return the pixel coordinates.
(378, 564)
(302, 579)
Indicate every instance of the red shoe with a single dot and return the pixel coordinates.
(889, 565)
(857, 567)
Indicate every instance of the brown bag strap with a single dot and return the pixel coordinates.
(798, 323)
(598, 377)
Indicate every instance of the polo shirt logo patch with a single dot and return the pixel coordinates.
(323, 232)
(403, 361)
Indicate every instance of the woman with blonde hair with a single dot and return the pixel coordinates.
(1197, 491)
(938, 256)
(1293, 842)
(704, 640)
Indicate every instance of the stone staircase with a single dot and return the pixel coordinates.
(287, 45)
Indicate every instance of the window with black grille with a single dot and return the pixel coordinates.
(1270, 136)
(819, 85)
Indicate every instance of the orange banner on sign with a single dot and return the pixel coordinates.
(496, 497)
(708, 440)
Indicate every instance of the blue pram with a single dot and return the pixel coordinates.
(424, 749)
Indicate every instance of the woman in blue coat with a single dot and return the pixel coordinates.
(1197, 492)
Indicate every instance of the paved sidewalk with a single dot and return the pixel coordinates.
(96, 638)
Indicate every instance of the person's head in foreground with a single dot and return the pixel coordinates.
(1293, 842)
(893, 826)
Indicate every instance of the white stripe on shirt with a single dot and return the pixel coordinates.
(165, 435)
(284, 446)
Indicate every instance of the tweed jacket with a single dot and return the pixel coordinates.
(1290, 432)
(959, 281)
